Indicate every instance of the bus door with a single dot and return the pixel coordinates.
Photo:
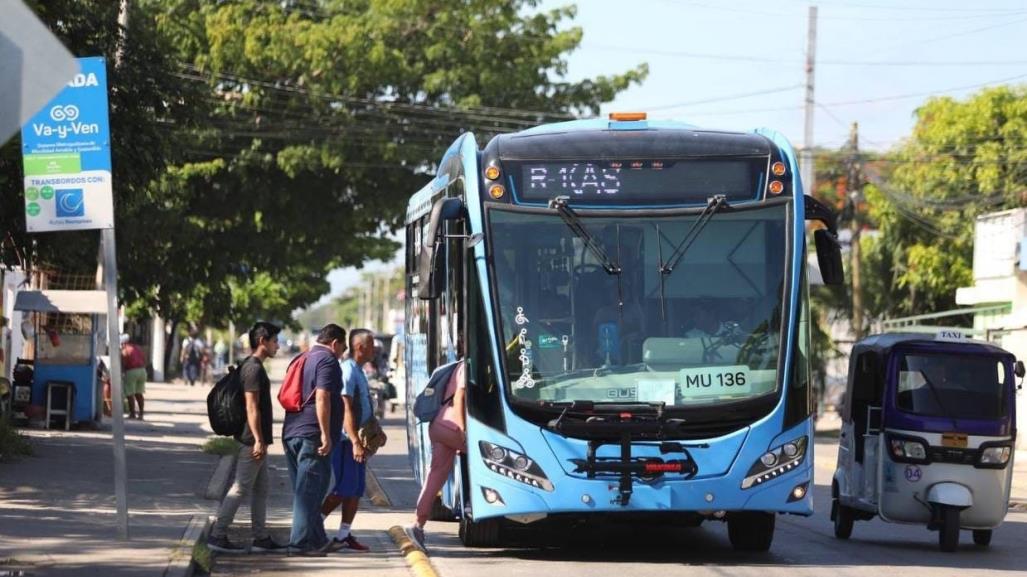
(446, 339)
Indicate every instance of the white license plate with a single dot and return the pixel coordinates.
(714, 381)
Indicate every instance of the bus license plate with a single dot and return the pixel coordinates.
(714, 381)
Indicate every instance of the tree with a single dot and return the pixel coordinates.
(964, 159)
(259, 144)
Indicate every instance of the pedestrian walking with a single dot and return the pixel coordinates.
(133, 367)
(448, 436)
(309, 435)
(192, 357)
(251, 470)
(349, 459)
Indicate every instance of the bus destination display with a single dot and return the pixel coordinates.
(641, 181)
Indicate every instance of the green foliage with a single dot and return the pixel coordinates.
(259, 144)
(220, 446)
(12, 443)
(965, 158)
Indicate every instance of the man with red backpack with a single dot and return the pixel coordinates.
(309, 434)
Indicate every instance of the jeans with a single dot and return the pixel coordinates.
(251, 484)
(310, 475)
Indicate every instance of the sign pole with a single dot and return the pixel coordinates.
(110, 274)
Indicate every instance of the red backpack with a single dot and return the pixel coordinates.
(290, 396)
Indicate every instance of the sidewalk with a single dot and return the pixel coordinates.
(57, 508)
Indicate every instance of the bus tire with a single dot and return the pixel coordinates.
(982, 537)
(440, 512)
(948, 533)
(751, 530)
(844, 518)
(484, 533)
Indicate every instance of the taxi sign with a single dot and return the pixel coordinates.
(950, 335)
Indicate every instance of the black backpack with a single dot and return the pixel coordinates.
(226, 405)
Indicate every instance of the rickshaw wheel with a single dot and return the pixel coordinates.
(948, 534)
(844, 519)
(982, 537)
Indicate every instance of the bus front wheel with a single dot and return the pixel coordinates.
(751, 530)
(484, 533)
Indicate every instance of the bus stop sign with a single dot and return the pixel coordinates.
(67, 157)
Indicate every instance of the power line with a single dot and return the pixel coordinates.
(828, 62)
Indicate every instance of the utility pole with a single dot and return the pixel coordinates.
(854, 184)
(806, 167)
(110, 275)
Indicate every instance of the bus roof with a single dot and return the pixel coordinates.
(621, 140)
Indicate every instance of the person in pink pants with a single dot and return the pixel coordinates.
(448, 436)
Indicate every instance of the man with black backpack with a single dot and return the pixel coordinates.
(251, 473)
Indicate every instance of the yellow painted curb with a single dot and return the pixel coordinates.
(419, 564)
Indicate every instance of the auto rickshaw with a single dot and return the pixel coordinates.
(928, 428)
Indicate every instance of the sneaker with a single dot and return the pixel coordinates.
(297, 552)
(223, 545)
(352, 543)
(416, 535)
(334, 545)
(266, 545)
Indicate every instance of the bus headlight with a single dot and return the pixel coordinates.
(775, 462)
(995, 456)
(514, 465)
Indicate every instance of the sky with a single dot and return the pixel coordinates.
(740, 64)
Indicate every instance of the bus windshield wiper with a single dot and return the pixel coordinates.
(713, 205)
(578, 228)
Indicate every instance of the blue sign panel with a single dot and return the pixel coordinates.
(66, 153)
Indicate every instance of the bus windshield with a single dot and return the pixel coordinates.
(705, 331)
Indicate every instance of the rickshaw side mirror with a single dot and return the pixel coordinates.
(1019, 370)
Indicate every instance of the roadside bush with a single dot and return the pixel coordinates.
(12, 443)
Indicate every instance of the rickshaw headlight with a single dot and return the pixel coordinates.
(908, 450)
(995, 456)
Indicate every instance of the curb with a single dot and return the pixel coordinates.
(419, 564)
(181, 562)
(375, 492)
(222, 477)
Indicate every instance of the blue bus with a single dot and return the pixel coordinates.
(631, 300)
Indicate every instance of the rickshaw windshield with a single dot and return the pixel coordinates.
(954, 386)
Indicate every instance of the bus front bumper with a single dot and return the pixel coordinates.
(789, 493)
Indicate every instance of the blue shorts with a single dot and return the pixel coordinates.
(350, 476)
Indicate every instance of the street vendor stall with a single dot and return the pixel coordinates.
(66, 334)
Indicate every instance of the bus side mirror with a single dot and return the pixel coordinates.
(829, 256)
(1018, 369)
(430, 273)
